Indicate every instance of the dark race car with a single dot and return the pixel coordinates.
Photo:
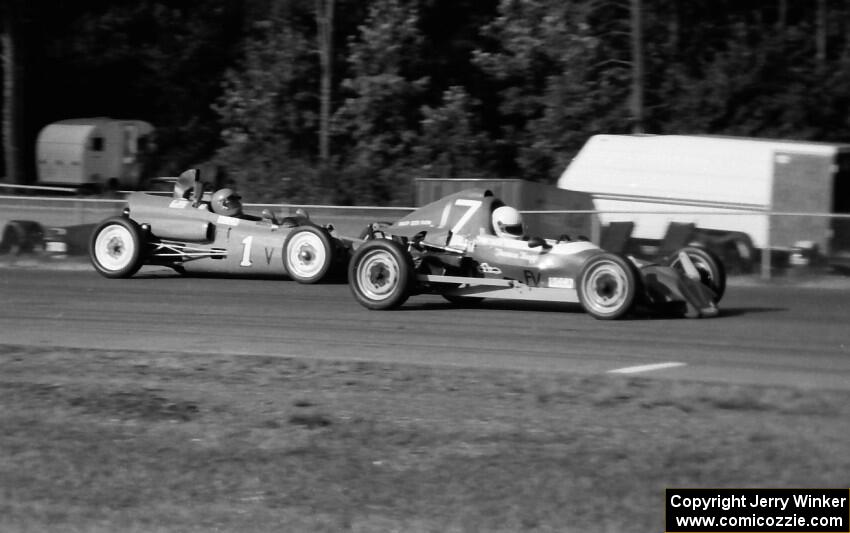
(457, 248)
(193, 231)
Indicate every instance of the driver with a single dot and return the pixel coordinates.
(507, 223)
(226, 202)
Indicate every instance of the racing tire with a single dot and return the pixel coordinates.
(607, 286)
(308, 254)
(116, 248)
(711, 270)
(381, 274)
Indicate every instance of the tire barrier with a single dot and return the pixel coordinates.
(21, 236)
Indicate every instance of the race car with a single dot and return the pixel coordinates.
(194, 231)
(470, 245)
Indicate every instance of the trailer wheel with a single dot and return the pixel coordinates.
(710, 268)
(22, 236)
(607, 286)
(381, 274)
(115, 248)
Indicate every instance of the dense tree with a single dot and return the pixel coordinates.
(11, 14)
(733, 74)
(420, 88)
(265, 114)
(451, 143)
(563, 73)
(273, 101)
(325, 41)
(378, 121)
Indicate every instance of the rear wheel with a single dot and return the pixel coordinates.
(711, 271)
(607, 286)
(115, 248)
(308, 254)
(381, 274)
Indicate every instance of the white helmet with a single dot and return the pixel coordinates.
(507, 222)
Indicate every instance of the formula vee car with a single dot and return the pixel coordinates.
(197, 232)
(454, 248)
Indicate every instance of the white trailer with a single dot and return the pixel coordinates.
(93, 152)
(727, 184)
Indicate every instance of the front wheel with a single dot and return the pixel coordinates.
(607, 286)
(115, 248)
(308, 254)
(711, 272)
(381, 274)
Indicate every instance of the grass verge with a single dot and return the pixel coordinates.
(103, 441)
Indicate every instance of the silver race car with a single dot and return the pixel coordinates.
(470, 245)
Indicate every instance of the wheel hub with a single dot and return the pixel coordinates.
(115, 247)
(378, 275)
(305, 255)
(606, 287)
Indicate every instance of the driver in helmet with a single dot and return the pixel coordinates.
(507, 223)
(226, 202)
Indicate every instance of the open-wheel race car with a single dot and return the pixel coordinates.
(197, 232)
(469, 246)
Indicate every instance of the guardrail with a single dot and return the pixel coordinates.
(36, 188)
(59, 211)
(62, 211)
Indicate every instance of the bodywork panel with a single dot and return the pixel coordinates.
(458, 217)
(556, 265)
(458, 254)
(197, 240)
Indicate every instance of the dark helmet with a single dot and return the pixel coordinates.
(226, 202)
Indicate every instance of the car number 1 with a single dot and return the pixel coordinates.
(246, 251)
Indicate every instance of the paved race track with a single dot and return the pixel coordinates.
(775, 335)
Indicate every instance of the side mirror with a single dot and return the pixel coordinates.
(538, 242)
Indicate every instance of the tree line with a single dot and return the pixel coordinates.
(348, 101)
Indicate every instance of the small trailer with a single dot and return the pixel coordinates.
(773, 194)
(97, 153)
